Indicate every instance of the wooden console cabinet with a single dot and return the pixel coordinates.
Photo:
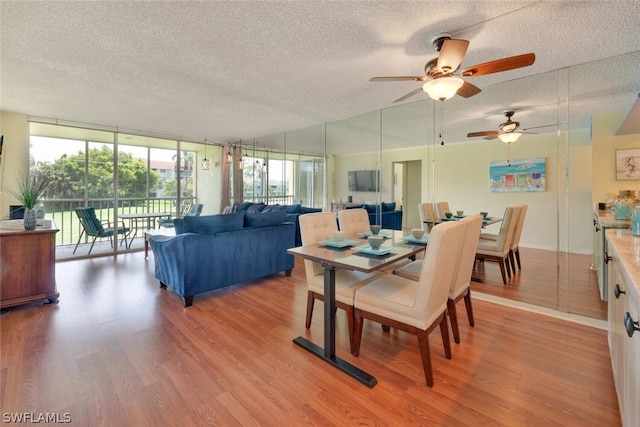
(338, 206)
(27, 266)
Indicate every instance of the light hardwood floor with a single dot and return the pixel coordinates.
(116, 350)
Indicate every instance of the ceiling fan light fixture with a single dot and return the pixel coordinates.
(508, 138)
(442, 88)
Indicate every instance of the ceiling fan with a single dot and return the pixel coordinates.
(442, 81)
(508, 130)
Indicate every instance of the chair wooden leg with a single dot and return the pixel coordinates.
(512, 262)
(504, 275)
(310, 301)
(357, 331)
(517, 253)
(453, 318)
(349, 310)
(467, 303)
(505, 261)
(425, 353)
(444, 331)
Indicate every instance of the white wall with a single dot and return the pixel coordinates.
(15, 156)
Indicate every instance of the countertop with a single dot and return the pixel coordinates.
(608, 219)
(627, 247)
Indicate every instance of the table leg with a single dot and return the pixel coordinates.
(328, 354)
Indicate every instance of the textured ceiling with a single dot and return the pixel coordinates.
(231, 70)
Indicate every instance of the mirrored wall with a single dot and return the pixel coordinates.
(421, 153)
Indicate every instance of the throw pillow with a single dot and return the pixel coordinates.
(388, 207)
(240, 207)
(274, 208)
(263, 219)
(213, 223)
(371, 208)
(256, 207)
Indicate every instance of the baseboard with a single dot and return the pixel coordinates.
(576, 318)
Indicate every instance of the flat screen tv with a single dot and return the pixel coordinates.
(368, 180)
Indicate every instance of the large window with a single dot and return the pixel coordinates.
(115, 173)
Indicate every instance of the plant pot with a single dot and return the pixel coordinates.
(30, 221)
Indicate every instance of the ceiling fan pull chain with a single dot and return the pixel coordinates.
(441, 121)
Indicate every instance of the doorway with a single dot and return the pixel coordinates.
(407, 191)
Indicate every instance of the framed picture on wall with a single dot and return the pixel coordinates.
(523, 175)
(628, 164)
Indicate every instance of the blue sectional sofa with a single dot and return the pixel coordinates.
(215, 251)
(292, 213)
(391, 218)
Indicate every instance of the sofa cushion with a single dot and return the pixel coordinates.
(263, 219)
(294, 209)
(213, 223)
(388, 207)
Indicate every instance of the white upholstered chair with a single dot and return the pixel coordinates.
(514, 250)
(460, 285)
(419, 306)
(315, 227)
(356, 221)
(442, 208)
(498, 250)
(428, 215)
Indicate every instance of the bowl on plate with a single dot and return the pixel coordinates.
(417, 233)
(375, 229)
(339, 236)
(375, 241)
(448, 214)
(459, 213)
(484, 214)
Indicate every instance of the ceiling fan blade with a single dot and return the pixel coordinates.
(491, 133)
(500, 65)
(398, 79)
(409, 95)
(468, 90)
(537, 127)
(451, 54)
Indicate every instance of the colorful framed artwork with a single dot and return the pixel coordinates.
(524, 175)
(628, 164)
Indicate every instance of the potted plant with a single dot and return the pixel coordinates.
(31, 189)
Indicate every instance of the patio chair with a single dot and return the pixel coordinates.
(193, 210)
(92, 226)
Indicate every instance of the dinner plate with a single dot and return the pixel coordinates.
(421, 241)
(367, 249)
(337, 244)
(458, 216)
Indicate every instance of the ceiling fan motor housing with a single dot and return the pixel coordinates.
(438, 40)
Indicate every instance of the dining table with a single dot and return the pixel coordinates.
(355, 255)
(487, 220)
(146, 217)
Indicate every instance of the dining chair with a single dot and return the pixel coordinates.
(315, 227)
(428, 216)
(442, 208)
(461, 283)
(412, 306)
(354, 222)
(514, 250)
(498, 250)
(96, 228)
